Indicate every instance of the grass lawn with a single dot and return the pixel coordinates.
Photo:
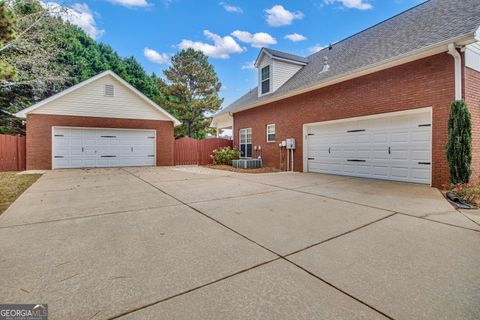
(12, 185)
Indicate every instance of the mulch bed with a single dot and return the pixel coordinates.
(230, 168)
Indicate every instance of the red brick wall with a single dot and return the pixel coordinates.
(424, 83)
(39, 135)
(472, 98)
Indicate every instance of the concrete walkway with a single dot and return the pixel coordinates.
(193, 243)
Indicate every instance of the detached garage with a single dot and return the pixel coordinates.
(101, 122)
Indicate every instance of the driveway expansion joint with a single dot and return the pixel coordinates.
(85, 217)
(279, 257)
(362, 204)
(191, 290)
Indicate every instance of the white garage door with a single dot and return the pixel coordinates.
(84, 148)
(393, 147)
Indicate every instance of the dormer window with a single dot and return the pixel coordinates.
(265, 79)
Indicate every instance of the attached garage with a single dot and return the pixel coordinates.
(394, 146)
(101, 122)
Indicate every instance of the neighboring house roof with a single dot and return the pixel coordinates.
(275, 54)
(23, 113)
(430, 25)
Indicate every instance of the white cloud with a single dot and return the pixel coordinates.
(295, 37)
(78, 14)
(249, 65)
(316, 48)
(230, 8)
(257, 40)
(154, 56)
(131, 3)
(353, 4)
(222, 46)
(279, 16)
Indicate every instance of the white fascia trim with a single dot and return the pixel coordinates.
(23, 113)
(262, 52)
(372, 68)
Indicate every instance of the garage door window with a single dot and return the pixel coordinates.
(246, 143)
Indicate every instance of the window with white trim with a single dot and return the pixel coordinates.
(270, 132)
(265, 79)
(245, 140)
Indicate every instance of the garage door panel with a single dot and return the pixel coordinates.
(78, 148)
(393, 147)
(380, 171)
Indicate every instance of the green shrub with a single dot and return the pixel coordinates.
(224, 156)
(459, 146)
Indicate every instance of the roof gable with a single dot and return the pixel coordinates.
(88, 98)
(279, 55)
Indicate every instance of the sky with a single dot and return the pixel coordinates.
(229, 32)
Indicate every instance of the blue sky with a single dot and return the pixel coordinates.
(230, 32)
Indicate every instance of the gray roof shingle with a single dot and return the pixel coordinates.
(285, 55)
(430, 23)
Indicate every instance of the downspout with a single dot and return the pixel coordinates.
(452, 50)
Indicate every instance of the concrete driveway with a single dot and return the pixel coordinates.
(193, 243)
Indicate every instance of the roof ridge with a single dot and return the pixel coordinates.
(373, 26)
(292, 54)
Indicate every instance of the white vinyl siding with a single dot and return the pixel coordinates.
(283, 71)
(392, 147)
(280, 72)
(91, 101)
(472, 56)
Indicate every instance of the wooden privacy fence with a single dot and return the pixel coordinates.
(189, 151)
(12, 153)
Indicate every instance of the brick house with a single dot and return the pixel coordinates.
(373, 105)
(100, 122)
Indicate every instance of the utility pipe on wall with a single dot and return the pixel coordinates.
(452, 50)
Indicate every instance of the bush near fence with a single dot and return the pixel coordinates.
(189, 151)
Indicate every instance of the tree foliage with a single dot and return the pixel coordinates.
(190, 92)
(52, 55)
(459, 146)
(8, 32)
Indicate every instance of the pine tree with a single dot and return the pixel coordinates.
(459, 146)
(190, 92)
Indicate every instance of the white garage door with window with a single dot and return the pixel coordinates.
(84, 148)
(395, 146)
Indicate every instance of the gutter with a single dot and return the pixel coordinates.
(452, 50)
(398, 60)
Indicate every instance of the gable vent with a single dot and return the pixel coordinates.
(109, 90)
